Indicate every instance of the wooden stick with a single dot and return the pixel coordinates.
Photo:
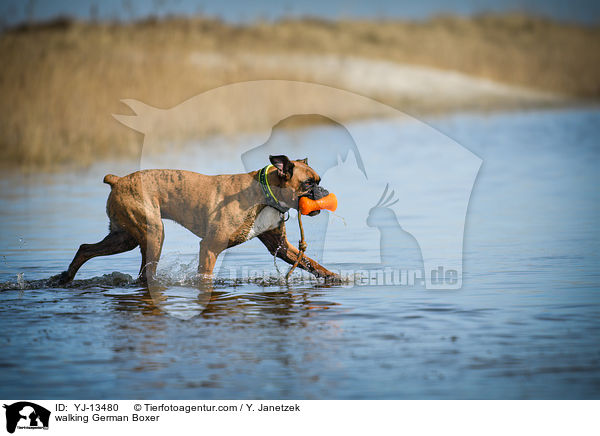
(301, 248)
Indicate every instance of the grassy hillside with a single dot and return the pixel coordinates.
(60, 81)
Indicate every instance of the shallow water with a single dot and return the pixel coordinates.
(525, 323)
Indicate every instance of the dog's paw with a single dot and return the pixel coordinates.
(59, 279)
(140, 280)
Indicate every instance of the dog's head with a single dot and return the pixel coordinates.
(297, 179)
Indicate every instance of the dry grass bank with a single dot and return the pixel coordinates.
(61, 81)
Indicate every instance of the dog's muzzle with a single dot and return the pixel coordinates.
(316, 193)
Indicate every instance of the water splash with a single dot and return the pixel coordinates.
(176, 269)
(184, 277)
(21, 280)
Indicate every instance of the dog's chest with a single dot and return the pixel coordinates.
(267, 219)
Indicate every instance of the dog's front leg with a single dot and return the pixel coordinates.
(277, 243)
(209, 251)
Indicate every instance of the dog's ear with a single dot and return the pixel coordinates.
(285, 167)
(304, 161)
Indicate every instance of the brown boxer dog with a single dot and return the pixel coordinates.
(223, 210)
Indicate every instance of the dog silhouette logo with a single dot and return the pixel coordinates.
(26, 415)
(340, 148)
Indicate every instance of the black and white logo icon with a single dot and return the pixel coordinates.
(26, 415)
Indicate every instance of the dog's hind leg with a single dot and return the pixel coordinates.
(151, 242)
(142, 220)
(116, 242)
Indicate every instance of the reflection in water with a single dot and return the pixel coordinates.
(283, 304)
(157, 341)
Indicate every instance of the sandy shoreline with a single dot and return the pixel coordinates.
(417, 88)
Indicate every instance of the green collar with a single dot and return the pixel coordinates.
(269, 197)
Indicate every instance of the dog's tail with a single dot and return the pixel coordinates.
(111, 179)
